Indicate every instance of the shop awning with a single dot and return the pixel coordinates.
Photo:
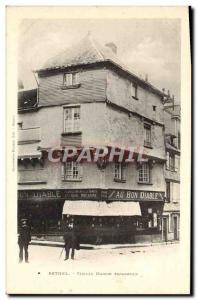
(95, 208)
(28, 151)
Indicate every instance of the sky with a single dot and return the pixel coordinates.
(145, 46)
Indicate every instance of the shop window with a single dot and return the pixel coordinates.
(72, 117)
(134, 91)
(119, 172)
(144, 173)
(147, 135)
(70, 79)
(153, 220)
(72, 171)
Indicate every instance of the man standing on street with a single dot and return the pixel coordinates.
(24, 239)
(70, 238)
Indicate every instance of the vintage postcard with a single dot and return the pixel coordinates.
(98, 150)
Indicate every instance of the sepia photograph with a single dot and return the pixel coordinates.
(97, 151)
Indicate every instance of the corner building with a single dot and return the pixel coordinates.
(86, 97)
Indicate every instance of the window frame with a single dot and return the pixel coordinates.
(147, 142)
(73, 122)
(134, 90)
(121, 167)
(171, 162)
(74, 80)
(168, 192)
(141, 179)
(72, 170)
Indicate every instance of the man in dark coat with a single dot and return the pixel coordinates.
(24, 239)
(70, 238)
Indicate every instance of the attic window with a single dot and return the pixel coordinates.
(71, 80)
(154, 108)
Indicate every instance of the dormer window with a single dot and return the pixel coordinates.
(71, 80)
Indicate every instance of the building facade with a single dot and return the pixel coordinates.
(171, 214)
(87, 99)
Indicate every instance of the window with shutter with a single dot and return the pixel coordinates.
(119, 172)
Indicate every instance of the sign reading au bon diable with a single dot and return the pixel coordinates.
(131, 195)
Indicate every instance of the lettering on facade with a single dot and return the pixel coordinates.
(135, 195)
(91, 194)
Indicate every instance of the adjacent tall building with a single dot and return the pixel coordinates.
(87, 98)
(171, 214)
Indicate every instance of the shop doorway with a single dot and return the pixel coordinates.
(175, 221)
(165, 229)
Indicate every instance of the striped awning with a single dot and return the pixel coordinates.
(95, 208)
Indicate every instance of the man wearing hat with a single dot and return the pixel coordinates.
(24, 239)
(70, 238)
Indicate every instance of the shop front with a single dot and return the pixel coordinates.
(101, 216)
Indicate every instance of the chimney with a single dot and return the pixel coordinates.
(112, 46)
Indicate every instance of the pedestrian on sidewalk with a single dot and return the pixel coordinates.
(24, 239)
(70, 238)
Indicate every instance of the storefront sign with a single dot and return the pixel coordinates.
(71, 194)
(135, 195)
(91, 194)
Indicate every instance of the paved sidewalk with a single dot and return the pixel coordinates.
(107, 246)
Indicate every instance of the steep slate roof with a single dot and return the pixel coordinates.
(89, 51)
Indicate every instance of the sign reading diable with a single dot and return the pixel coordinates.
(91, 194)
(135, 195)
(71, 194)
